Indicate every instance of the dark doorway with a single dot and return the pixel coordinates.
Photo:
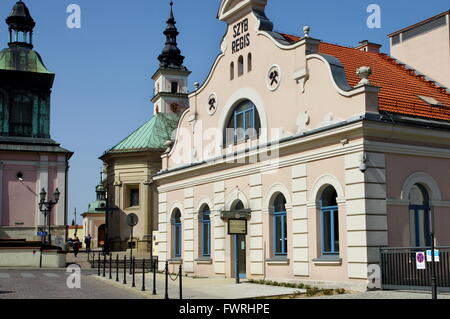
(240, 254)
(101, 235)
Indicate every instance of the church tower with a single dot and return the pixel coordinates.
(30, 161)
(171, 79)
(25, 82)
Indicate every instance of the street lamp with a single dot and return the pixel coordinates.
(46, 207)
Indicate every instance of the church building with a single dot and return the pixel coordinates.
(131, 163)
(30, 161)
(297, 158)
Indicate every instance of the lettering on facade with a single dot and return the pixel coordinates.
(241, 36)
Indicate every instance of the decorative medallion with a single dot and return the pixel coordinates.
(273, 77)
(212, 104)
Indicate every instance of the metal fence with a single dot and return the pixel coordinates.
(399, 269)
(96, 259)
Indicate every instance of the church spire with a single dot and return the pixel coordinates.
(21, 26)
(171, 57)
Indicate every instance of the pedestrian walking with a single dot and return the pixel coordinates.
(76, 246)
(87, 241)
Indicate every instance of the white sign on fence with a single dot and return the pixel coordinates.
(420, 260)
(436, 255)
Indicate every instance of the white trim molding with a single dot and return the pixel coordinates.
(320, 185)
(274, 189)
(240, 95)
(233, 196)
(425, 180)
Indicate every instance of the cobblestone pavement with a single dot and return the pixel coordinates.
(51, 284)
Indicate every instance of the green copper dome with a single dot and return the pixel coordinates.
(151, 136)
(19, 58)
(97, 204)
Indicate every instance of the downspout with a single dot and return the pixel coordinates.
(66, 196)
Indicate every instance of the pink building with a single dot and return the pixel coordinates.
(29, 159)
(327, 152)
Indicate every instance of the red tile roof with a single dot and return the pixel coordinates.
(399, 86)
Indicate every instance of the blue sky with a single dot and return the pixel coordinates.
(103, 87)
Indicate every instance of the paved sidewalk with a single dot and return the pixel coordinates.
(383, 294)
(198, 288)
(29, 283)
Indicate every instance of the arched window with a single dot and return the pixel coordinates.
(419, 208)
(279, 226)
(232, 71)
(249, 62)
(243, 124)
(240, 65)
(329, 221)
(176, 233)
(205, 224)
(21, 116)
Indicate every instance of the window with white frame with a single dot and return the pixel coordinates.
(279, 224)
(244, 123)
(205, 230)
(176, 233)
(329, 222)
(419, 216)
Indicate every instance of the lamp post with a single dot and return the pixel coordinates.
(46, 207)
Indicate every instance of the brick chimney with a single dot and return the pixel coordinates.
(369, 46)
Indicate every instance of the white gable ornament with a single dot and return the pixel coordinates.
(212, 104)
(273, 77)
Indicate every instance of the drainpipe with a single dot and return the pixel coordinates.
(66, 197)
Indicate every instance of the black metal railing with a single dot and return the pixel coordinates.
(121, 263)
(399, 269)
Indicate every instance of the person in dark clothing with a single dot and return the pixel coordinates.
(76, 246)
(87, 241)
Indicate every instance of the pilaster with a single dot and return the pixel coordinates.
(299, 221)
(219, 229)
(61, 207)
(366, 211)
(188, 231)
(42, 182)
(162, 228)
(256, 226)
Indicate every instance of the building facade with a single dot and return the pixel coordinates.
(132, 162)
(425, 46)
(324, 164)
(94, 223)
(29, 159)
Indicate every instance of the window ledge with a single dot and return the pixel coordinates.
(175, 261)
(328, 261)
(277, 261)
(204, 260)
